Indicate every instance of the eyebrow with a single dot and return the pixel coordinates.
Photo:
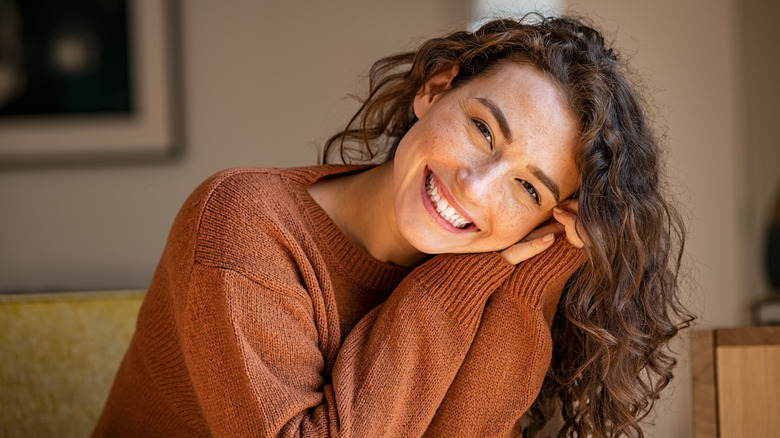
(499, 116)
(547, 181)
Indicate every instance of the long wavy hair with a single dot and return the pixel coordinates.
(611, 357)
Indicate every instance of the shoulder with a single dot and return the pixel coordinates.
(250, 218)
(232, 182)
(257, 190)
(224, 200)
(232, 193)
(238, 209)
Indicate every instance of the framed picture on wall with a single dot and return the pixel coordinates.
(87, 80)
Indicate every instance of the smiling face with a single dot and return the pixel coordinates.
(485, 163)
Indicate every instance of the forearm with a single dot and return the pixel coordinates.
(389, 377)
(508, 359)
(396, 365)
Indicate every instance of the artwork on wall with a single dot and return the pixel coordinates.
(86, 80)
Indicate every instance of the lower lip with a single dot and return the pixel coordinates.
(428, 203)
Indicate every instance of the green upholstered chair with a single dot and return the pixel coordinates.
(59, 353)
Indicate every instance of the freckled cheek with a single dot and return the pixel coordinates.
(441, 139)
(513, 222)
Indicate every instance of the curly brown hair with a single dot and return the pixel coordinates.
(611, 357)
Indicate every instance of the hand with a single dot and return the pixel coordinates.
(566, 214)
(534, 243)
(564, 222)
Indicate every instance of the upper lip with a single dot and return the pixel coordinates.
(445, 192)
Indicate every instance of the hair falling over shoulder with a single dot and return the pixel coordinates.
(611, 356)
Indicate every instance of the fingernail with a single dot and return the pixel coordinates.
(557, 210)
(548, 238)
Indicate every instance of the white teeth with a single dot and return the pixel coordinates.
(445, 210)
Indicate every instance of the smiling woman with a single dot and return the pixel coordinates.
(483, 149)
(427, 295)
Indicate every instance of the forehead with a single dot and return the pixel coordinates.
(521, 84)
(532, 102)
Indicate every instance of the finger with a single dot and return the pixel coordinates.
(525, 250)
(569, 221)
(571, 204)
(552, 226)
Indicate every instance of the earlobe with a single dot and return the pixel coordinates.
(433, 88)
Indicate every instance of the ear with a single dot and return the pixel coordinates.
(432, 90)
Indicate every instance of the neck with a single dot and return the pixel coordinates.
(361, 204)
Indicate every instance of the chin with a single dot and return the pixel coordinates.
(428, 246)
(423, 242)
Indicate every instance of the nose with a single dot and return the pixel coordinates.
(477, 181)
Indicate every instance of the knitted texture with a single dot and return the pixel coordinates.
(264, 319)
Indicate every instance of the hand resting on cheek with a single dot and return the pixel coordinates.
(564, 221)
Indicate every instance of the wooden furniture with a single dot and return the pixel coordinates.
(736, 382)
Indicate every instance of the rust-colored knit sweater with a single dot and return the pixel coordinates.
(263, 319)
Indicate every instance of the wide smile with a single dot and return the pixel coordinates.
(442, 207)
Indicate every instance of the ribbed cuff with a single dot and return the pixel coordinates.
(534, 277)
(462, 283)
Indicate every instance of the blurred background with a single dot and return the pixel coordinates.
(257, 83)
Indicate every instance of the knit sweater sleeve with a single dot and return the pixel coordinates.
(256, 363)
(508, 360)
(396, 365)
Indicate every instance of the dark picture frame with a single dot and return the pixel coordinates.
(133, 111)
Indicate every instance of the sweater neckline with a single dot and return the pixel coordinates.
(352, 259)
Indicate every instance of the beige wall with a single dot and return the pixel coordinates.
(252, 101)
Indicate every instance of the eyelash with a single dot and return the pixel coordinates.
(484, 130)
(531, 190)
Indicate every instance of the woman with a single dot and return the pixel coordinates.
(428, 295)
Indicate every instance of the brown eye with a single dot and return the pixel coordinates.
(531, 190)
(485, 131)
